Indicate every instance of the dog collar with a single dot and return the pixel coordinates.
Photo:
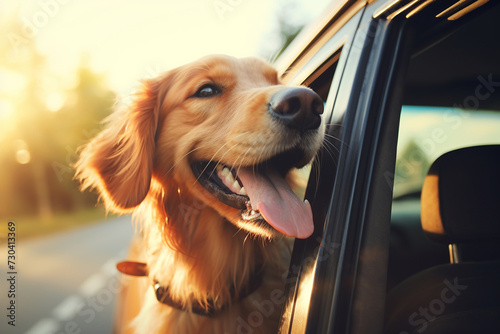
(210, 309)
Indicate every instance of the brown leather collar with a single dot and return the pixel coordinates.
(209, 310)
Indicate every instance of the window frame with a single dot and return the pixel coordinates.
(337, 46)
(328, 261)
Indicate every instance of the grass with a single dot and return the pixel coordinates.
(33, 226)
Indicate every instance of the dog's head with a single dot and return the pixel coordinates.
(221, 131)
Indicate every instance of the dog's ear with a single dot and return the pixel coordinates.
(119, 161)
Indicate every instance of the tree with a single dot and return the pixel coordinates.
(411, 168)
(42, 124)
(286, 31)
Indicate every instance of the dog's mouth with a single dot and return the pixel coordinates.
(260, 192)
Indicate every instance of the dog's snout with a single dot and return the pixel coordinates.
(298, 108)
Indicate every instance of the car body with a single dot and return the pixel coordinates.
(384, 69)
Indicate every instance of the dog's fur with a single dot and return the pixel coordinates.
(196, 245)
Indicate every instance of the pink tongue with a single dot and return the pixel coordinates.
(280, 207)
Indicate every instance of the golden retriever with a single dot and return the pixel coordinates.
(201, 156)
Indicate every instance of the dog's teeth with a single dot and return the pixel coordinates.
(229, 178)
(243, 191)
(236, 186)
(225, 172)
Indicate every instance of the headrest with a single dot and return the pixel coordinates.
(461, 196)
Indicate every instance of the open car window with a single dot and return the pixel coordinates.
(427, 132)
(451, 101)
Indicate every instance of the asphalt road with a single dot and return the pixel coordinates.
(67, 282)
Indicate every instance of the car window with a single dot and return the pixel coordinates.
(321, 82)
(443, 94)
(427, 132)
(314, 186)
(451, 100)
(320, 70)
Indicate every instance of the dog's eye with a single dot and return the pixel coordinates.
(207, 90)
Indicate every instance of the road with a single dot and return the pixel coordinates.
(67, 282)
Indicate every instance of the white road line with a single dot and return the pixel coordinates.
(68, 308)
(92, 285)
(44, 326)
(109, 268)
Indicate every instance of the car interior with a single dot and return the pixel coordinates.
(444, 257)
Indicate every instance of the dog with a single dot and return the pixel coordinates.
(202, 158)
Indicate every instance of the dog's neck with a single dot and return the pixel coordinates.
(207, 259)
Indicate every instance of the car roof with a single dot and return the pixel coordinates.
(314, 35)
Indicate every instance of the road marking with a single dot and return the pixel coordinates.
(68, 308)
(109, 268)
(93, 284)
(44, 326)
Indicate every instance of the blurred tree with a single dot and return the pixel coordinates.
(79, 119)
(42, 123)
(288, 32)
(21, 139)
(287, 28)
(411, 168)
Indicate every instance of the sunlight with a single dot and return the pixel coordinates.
(11, 82)
(6, 109)
(55, 101)
(23, 155)
(128, 46)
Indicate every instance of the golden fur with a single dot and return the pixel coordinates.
(191, 242)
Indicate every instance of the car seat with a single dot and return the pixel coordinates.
(460, 206)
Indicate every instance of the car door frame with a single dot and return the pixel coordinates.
(336, 281)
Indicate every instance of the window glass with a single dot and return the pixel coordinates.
(426, 132)
(451, 100)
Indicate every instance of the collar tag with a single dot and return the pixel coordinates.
(133, 268)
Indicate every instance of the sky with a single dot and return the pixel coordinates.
(128, 40)
(125, 41)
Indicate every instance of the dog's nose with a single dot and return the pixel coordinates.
(298, 108)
